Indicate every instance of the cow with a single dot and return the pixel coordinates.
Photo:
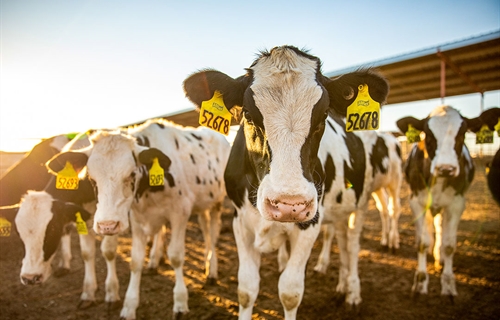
(491, 118)
(43, 217)
(439, 171)
(119, 164)
(386, 161)
(288, 165)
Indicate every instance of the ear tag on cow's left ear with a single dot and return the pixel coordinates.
(485, 135)
(214, 114)
(5, 227)
(156, 174)
(412, 134)
(364, 112)
(67, 178)
(81, 226)
(497, 127)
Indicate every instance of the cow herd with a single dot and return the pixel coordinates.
(292, 171)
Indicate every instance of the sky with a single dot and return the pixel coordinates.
(71, 65)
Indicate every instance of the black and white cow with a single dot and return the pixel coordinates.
(385, 159)
(439, 171)
(285, 156)
(119, 163)
(42, 218)
(491, 117)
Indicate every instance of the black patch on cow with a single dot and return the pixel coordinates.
(197, 137)
(201, 146)
(144, 186)
(135, 158)
(192, 158)
(355, 173)
(379, 153)
(307, 224)
(198, 181)
(180, 192)
(398, 151)
(161, 125)
(493, 177)
(211, 195)
(188, 139)
(329, 173)
(339, 197)
(176, 144)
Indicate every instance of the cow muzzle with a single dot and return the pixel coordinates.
(31, 279)
(108, 228)
(290, 210)
(446, 171)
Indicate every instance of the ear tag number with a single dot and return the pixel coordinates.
(485, 135)
(214, 114)
(156, 174)
(412, 135)
(81, 226)
(364, 112)
(5, 227)
(497, 127)
(67, 178)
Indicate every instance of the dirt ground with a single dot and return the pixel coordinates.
(386, 278)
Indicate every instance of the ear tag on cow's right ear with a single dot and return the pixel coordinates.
(485, 135)
(5, 227)
(497, 127)
(67, 178)
(214, 114)
(156, 174)
(81, 226)
(364, 112)
(412, 134)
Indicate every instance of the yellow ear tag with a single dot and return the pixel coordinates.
(412, 135)
(214, 114)
(67, 178)
(156, 174)
(5, 227)
(497, 127)
(485, 135)
(81, 226)
(364, 112)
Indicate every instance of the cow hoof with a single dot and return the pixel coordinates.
(112, 306)
(61, 272)
(339, 298)
(451, 298)
(210, 282)
(393, 250)
(384, 248)
(352, 309)
(150, 271)
(179, 316)
(85, 304)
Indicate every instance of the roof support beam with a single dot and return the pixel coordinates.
(458, 71)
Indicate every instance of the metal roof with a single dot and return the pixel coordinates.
(470, 65)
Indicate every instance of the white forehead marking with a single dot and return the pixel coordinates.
(445, 122)
(34, 214)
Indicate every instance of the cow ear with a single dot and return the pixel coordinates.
(57, 163)
(9, 212)
(202, 85)
(343, 90)
(403, 123)
(146, 157)
(491, 117)
(474, 124)
(68, 211)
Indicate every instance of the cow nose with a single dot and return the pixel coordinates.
(291, 210)
(31, 279)
(446, 171)
(108, 227)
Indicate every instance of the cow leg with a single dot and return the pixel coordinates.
(87, 248)
(109, 245)
(423, 222)
(175, 252)
(210, 232)
(394, 210)
(65, 249)
(138, 253)
(283, 257)
(324, 256)
(291, 282)
(451, 219)
(156, 252)
(438, 221)
(380, 197)
(248, 270)
(341, 236)
(215, 224)
(353, 295)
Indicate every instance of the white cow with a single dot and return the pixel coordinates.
(385, 158)
(119, 164)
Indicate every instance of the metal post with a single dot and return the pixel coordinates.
(443, 80)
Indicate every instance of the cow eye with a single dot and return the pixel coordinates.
(247, 116)
(348, 93)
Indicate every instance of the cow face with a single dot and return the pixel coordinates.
(284, 101)
(115, 163)
(40, 223)
(444, 130)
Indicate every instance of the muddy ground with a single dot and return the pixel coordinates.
(386, 278)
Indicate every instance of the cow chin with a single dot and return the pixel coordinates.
(36, 276)
(110, 227)
(287, 207)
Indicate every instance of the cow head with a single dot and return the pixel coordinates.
(444, 130)
(40, 222)
(283, 100)
(115, 163)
